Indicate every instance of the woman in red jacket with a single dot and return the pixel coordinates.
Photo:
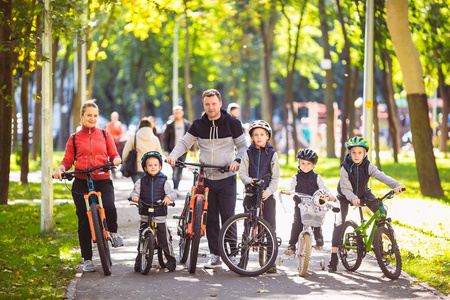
(93, 147)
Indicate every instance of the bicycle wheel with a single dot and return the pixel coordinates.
(197, 228)
(184, 243)
(387, 252)
(102, 244)
(162, 258)
(147, 251)
(242, 240)
(348, 250)
(304, 253)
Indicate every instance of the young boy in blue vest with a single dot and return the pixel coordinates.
(305, 181)
(356, 171)
(259, 160)
(153, 186)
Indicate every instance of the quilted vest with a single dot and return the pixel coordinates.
(152, 189)
(259, 163)
(357, 174)
(306, 182)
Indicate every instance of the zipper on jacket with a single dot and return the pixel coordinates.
(259, 163)
(90, 147)
(357, 180)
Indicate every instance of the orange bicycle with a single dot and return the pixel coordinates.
(96, 215)
(192, 221)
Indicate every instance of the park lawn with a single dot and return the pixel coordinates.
(32, 264)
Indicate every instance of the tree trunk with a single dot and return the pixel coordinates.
(6, 97)
(63, 134)
(376, 126)
(393, 121)
(351, 108)
(24, 104)
(37, 124)
(445, 111)
(346, 101)
(100, 47)
(267, 33)
(331, 152)
(187, 71)
(15, 129)
(408, 57)
(76, 103)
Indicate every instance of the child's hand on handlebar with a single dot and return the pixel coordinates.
(166, 201)
(356, 202)
(398, 190)
(135, 198)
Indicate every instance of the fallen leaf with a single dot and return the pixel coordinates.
(262, 291)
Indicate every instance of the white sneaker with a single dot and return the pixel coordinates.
(233, 260)
(88, 266)
(116, 240)
(214, 262)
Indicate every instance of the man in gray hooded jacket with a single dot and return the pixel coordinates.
(217, 135)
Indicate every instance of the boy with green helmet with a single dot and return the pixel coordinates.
(356, 170)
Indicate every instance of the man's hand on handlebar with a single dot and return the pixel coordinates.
(234, 166)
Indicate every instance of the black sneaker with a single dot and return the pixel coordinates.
(332, 266)
(319, 244)
(171, 266)
(137, 263)
(290, 250)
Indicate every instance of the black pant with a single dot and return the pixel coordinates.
(337, 232)
(221, 200)
(164, 239)
(269, 208)
(79, 188)
(297, 227)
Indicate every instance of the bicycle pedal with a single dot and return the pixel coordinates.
(203, 255)
(318, 247)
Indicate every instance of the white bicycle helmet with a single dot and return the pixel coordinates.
(260, 124)
(321, 198)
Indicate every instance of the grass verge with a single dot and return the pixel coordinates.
(32, 264)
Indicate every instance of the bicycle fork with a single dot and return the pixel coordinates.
(102, 214)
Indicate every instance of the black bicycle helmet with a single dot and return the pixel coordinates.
(357, 142)
(151, 154)
(308, 154)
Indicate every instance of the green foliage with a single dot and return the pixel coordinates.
(32, 190)
(32, 264)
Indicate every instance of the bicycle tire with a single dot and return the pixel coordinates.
(350, 258)
(162, 258)
(147, 252)
(236, 241)
(184, 243)
(387, 253)
(102, 243)
(197, 228)
(304, 253)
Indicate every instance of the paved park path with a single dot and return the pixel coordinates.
(367, 283)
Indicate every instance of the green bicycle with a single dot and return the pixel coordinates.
(356, 243)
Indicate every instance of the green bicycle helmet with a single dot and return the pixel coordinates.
(357, 142)
(149, 154)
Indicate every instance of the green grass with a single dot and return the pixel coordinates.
(34, 165)
(33, 264)
(32, 190)
(426, 255)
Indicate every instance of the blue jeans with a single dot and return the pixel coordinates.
(177, 173)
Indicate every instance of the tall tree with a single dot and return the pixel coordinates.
(329, 90)
(408, 57)
(6, 95)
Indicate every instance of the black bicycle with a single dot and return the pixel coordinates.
(247, 243)
(148, 244)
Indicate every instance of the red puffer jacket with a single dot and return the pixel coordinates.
(92, 150)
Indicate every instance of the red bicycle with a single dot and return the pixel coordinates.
(192, 221)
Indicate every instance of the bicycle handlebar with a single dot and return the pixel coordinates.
(69, 175)
(183, 164)
(388, 195)
(158, 203)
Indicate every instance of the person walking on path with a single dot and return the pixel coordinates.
(115, 128)
(88, 148)
(173, 131)
(145, 141)
(217, 134)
